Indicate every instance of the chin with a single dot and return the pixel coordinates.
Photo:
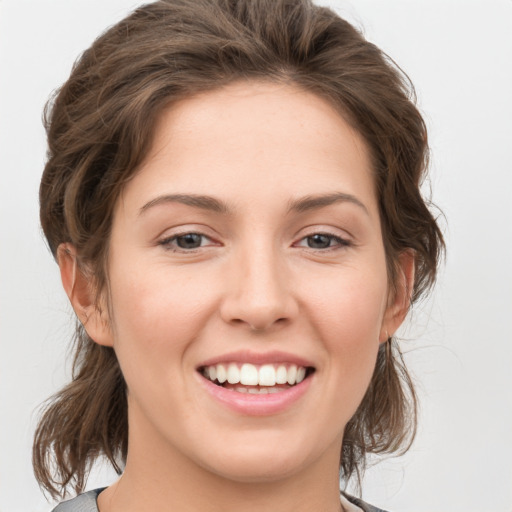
(262, 461)
(262, 470)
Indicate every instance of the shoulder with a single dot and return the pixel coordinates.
(86, 502)
(360, 505)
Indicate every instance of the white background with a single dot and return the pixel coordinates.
(459, 55)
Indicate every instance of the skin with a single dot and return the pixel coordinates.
(254, 284)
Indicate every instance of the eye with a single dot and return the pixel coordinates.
(186, 241)
(321, 241)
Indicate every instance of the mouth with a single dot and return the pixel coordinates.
(256, 378)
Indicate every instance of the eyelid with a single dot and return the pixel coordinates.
(342, 239)
(184, 233)
(184, 229)
(166, 240)
(324, 229)
(342, 242)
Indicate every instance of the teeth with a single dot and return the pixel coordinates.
(251, 375)
(281, 375)
(233, 374)
(248, 375)
(267, 375)
(292, 374)
(221, 373)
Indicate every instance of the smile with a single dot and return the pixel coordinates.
(256, 379)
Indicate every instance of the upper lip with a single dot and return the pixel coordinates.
(257, 358)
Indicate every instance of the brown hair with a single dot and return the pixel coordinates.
(99, 128)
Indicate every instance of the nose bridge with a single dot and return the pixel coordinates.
(259, 293)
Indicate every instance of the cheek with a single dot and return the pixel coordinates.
(156, 314)
(156, 319)
(350, 306)
(348, 315)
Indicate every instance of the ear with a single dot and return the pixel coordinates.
(398, 306)
(82, 295)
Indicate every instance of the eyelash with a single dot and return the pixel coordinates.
(169, 243)
(340, 243)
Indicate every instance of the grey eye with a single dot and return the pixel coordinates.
(189, 241)
(319, 241)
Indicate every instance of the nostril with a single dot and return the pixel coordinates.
(264, 326)
(260, 306)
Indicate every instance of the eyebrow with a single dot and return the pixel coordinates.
(198, 201)
(314, 202)
(212, 204)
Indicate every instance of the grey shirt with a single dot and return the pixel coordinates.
(87, 502)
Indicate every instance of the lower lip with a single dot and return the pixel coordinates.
(254, 404)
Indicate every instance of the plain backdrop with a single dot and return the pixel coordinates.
(459, 343)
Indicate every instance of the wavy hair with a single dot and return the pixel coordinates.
(99, 128)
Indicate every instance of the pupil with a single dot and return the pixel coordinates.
(319, 241)
(189, 241)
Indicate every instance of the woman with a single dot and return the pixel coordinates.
(232, 196)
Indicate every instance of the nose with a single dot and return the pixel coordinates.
(259, 291)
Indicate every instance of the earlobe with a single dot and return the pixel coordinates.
(82, 295)
(399, 304)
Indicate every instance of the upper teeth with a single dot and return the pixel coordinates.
(254, 375)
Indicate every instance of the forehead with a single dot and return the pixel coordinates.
(264, 137)
(253, 110)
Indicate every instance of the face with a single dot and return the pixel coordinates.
(247, 283)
